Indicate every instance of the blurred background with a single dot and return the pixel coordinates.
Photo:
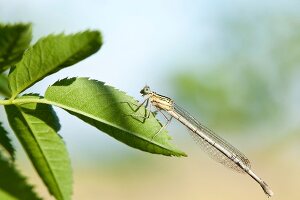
(235, 65)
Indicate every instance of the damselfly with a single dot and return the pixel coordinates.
(219, 149)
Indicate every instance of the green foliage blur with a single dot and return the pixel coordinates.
(253, 83)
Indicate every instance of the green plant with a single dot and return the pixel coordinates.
(34, 121)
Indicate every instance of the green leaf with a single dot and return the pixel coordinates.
(4, 89)
(12, 184)
(36, 127)
(49, 55)
(111, 111)
(6, 196)
(14, 39)
(5, 142)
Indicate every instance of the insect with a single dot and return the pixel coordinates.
(215, 146)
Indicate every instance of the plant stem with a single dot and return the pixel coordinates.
(24, 101)
(5, 102)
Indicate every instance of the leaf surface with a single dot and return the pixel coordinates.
(14, 40)
(5, 142)
(4, 89)
(49, 55)
(36, 127)
(12, 184)
(111, 111)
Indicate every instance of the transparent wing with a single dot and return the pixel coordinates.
(211, 150)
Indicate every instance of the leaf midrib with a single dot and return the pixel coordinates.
(41, 150)
(45, 101)
(24, 87)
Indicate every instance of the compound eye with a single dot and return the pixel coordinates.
(145, 90)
